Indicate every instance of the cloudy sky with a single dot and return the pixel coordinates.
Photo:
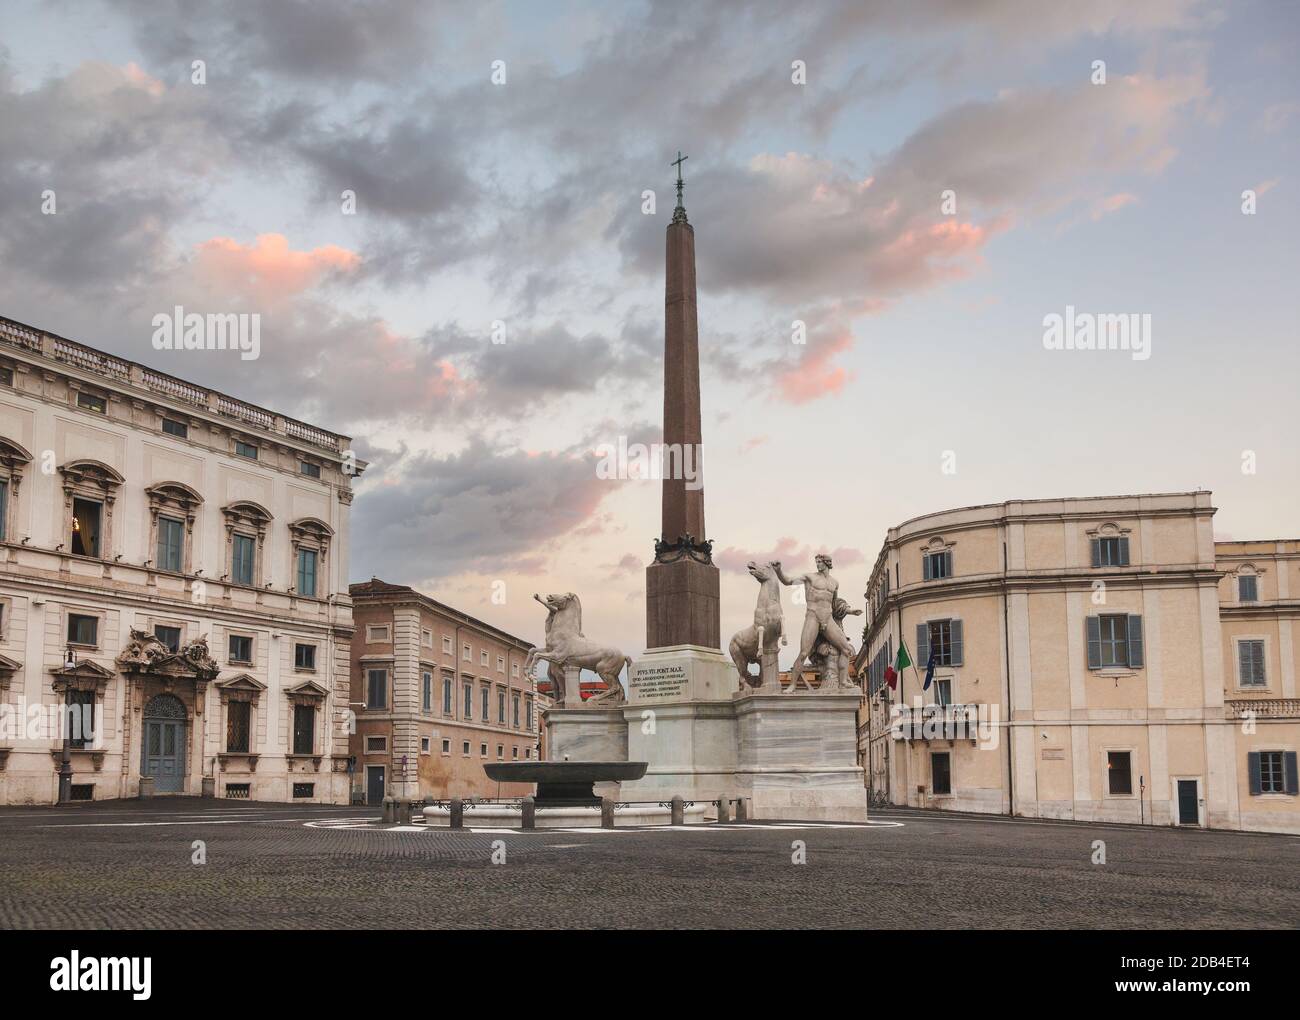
(521, 202)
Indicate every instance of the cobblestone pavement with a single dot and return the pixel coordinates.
(128, 865)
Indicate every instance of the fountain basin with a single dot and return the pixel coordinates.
(565, 783)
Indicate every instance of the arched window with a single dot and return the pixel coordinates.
(13, 459)
(172, 509)
(89, 492)
(310, 541)
(246, 524)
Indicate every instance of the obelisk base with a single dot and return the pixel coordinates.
(682, 604)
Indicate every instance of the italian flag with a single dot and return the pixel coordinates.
(900, 663)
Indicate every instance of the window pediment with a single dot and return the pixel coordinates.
(173, 494)
(12, 456)
(90, 474)
(248, 513)
(240, 687)
(308, 693)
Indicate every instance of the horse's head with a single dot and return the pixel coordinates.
(760, 572)
(566, 607)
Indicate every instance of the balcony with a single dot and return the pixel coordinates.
(939, 722)
(1263, 708)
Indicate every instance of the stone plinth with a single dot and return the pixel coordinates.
(586, 734)
(682, 604)
(680, 673)
(793, 755)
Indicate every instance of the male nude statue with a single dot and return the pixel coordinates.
(819, 591)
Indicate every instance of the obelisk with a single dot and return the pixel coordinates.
(682, 582)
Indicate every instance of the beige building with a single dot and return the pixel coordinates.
(437, 694)
(172, 585)
(1094, 659)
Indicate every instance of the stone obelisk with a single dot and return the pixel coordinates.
(682, 582)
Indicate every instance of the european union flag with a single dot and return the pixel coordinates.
(929, 671)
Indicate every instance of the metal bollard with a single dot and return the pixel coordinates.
(457, 811)
(678, 807)
(528, 814)
(742, 809)
(606, 813)
(724, 809)
(389, 813)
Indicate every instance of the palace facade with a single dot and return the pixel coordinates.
(1100, 659)
(173, 602)
(437, 695)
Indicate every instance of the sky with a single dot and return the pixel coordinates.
(921, 185)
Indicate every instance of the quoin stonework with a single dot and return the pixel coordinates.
(1137, 670)
(173, 567)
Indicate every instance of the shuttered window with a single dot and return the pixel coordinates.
(304, 729)
(242, 550)
(1115, 640)
(1119, 773)
(940, 773)
(307, 572)
(1250, 663)
(377, 688)
(1247, 588)
(170, 543)
(1273, 772)
(1110, 552)
(944, 637)
(936, 565)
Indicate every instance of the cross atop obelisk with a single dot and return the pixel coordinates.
(682, 583)
(679, 214)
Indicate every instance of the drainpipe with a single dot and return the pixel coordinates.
(1006, 640)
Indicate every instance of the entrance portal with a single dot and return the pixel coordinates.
(163, 743)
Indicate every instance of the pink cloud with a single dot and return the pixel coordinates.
(269, 268)
(789, 552)
(815, 377)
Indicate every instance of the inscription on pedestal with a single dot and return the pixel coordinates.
(659, 683)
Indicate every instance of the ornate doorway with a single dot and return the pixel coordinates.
(163, 743)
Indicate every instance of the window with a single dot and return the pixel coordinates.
(240, 649)
(304, 729)
(1247, 588)
(425, 743)
(1115, 640)
(943, 691)
(501, 707)
(467, 705)
(304, 657)
(377, 635)
(501, 752)
(464, 748)
(467, 653)
(171, 544)
(514, 752)
(1119, 770)
(426, 692)
(85, 526)
(376, 688)
(501, 663)
(484, 701)
(446, 695)
(6, 375)
(304, 790)
(940, 773)
(308, 469)
(483, 657)
(169, 636)
(446, 645)
(1273, 772)
(936, 565)
(243, 449)
(4, 509)
(528, 711)
(1250, 664)
(482, 750)
(528, 753)
(83, 630)
(446, 745)
(426, 637)
(1110, 551)
(176, 428)
(80, 721)
(307, 573)
(243, 549)
(944, 638)
(238, 716)
(514, 669)
(92, 402)
(376, 745)
(514, 715)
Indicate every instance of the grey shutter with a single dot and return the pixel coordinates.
(1096, 552)
(1243, 663)
(1135, 649)
(947, 562)
(1292, 779)
(1123, 552)
(1093, 633)
(922, 644)
(1252, 766)
(925, 566)
(955, 642)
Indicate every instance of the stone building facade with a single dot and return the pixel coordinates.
(437, 695)
(172, 585)
(1099, 659)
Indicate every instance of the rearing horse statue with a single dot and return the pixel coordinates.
(566, 645)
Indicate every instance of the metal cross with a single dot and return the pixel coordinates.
(678, 163)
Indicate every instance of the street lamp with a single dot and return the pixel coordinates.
(65, 761)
